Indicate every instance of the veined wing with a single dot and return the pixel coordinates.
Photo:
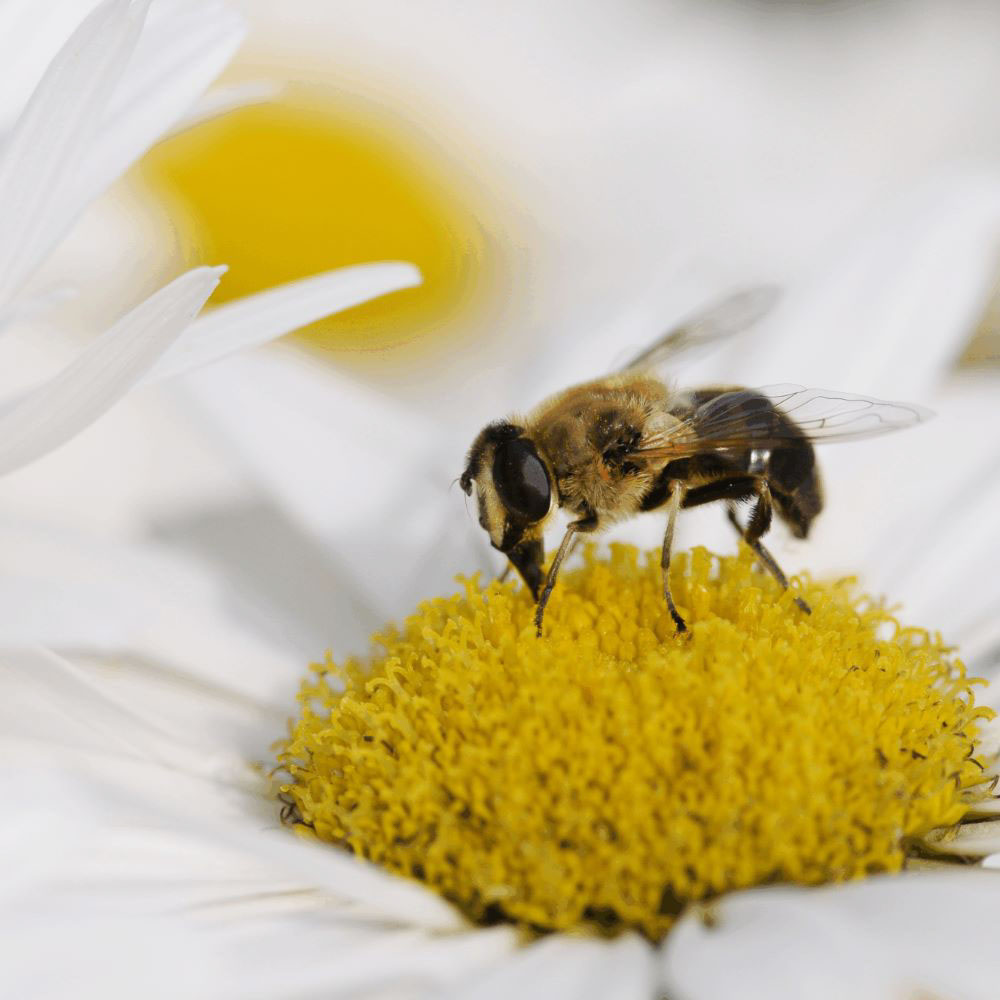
(711, 326)
(773, 416)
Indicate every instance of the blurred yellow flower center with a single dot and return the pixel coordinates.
(285, 189)
(610, 773)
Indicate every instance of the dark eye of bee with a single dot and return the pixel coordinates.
(521, 480)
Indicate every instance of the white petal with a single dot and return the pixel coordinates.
(26, 307)
(183, 47)
(257, 319)
(55, 411)
(987, 807)
(890, 312)
(54, 132)
(28, 43)
(343, 484)
(567, 967)
(50, 701)
(88, 594)
(386, 963)
(972, 840)
(943, 581)
(205, 793)
(930, 933)
(220, 100)
(104, 956)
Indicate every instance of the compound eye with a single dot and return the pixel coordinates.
(521, 480)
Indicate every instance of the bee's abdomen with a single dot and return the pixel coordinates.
(793, 478)
(791, 470)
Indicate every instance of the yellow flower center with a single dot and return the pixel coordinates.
(612, 772)
(298, 185)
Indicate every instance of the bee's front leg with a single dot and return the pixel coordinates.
(588, 523)
(677, 491)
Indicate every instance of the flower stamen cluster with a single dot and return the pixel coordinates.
(612, 772)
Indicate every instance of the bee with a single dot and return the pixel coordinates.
(609, 449)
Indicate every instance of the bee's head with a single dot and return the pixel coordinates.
(514, 493)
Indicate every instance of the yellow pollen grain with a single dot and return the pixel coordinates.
(611, 772)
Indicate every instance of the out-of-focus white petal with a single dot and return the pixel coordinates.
(889, 310)
(26, 307)
(28, 44)
(927, 530)
(96, 596)
(52, 702)
(103, 956)
(220, 100)
(923, 933)
(172, 791)
(257, 319)
(567, 968)
(54, 132)
(359, 963)
(183, 47)
(376, 494)
(55, 411)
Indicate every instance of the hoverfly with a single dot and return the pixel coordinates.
(617, 446)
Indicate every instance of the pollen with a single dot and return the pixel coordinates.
(611, 772)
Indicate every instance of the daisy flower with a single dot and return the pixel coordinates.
(145, 841)
(145, 806)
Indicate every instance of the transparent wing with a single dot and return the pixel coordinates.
(773, 416)
(713, 325)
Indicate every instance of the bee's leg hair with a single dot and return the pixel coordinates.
(677, 491)
(760, 521)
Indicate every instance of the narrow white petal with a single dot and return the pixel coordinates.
(221, 100)
(972, 840)
(60, 408)
(917, 934)
(988, 807)
(180, 52)
(257, 319)
(573, 968)
(54, 132)
(28, 43)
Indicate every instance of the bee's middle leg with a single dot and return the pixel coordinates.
(756, 527)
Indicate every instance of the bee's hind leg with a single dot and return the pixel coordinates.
(677, 491)
(760, 521)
